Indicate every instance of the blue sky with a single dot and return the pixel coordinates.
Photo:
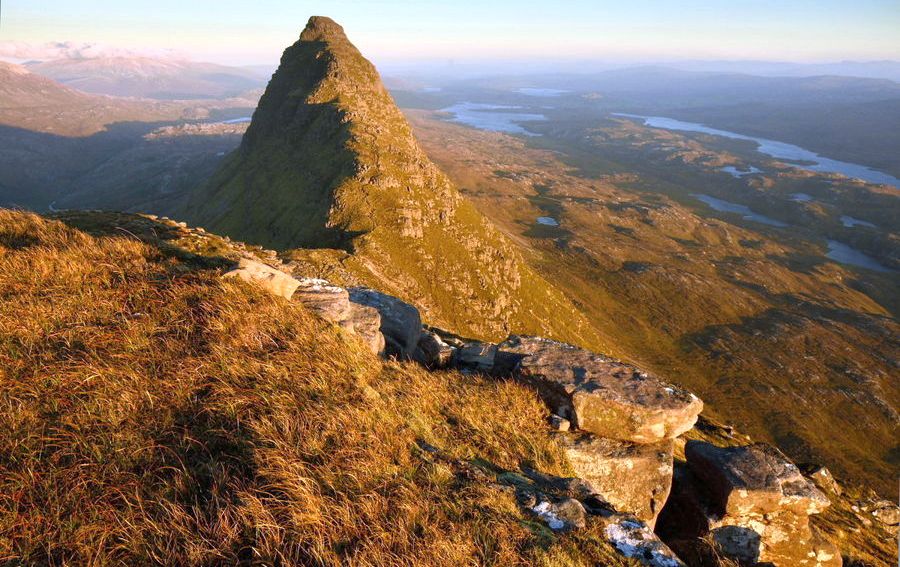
(246, 32)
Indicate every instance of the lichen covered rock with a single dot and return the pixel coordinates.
(751, 502)
(754, 479)
(635, 478)
(599, 394)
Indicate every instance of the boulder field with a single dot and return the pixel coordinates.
(618, 426)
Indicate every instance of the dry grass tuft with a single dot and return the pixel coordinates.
(153, 414)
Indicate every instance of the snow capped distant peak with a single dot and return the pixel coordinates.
(23, 51)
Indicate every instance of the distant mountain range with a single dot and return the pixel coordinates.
(864, 69)
(148, 77)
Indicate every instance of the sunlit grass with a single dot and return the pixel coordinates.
(152, 414)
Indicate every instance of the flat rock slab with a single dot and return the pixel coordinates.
(401, 324)
(328, 301)
(270, 279)
(634, 478)
(754, 479)
(599, 394)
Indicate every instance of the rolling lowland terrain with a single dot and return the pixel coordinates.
(60, 147)
(792, 347)
(158, 413)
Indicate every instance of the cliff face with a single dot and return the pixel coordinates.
(330, 162)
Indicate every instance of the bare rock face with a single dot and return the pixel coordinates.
(752, 502)
(271, 279)
(366, 323)
(477, 356)
(325, 300)
(432, 351)
(400, 321)
(782, 539)
(635, 478)
(599, 394)
(755, 479)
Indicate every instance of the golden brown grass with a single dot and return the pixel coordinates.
(152, 413)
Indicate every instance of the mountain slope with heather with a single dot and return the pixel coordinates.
(330, 162)
(156, 412)
(153, 412)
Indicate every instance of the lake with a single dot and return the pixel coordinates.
(745, 212)
(493, 117)
(840, 252)
(530, 91)
(850, 222)
(735, 172)
(778, 150)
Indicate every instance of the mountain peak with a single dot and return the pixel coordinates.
(329, 161)
(322, 28)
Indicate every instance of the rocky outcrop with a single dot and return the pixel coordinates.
(632, 477)
(365, 322)
(822, 478)
(432, 351)
(616, 425)
(329, 302)
(754, 479)
(752, 502)
(272, 280)
(599, 394)
(333, 304)
(622, 420)
(401, 324)
(325, 300)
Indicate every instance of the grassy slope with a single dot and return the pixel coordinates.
(151, 412)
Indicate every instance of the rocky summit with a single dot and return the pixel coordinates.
(328, 161)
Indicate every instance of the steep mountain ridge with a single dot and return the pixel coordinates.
(330, 162)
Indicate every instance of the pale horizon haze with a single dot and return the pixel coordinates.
(393, 32)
